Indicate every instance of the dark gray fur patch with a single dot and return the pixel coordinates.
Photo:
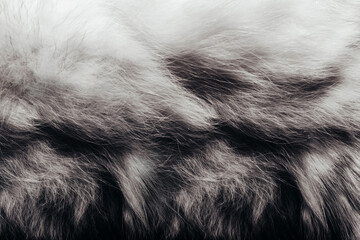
(204, 77)
(306, 88)
(208, 79)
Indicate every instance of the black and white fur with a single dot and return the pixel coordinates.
(180, 119)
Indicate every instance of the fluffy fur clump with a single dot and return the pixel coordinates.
(179, 119)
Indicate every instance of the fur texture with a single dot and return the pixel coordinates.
(180, 119)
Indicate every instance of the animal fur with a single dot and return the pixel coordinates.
(180, 119)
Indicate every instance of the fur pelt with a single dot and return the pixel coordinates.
(180, 119)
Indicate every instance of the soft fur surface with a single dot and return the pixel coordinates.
(180, 119)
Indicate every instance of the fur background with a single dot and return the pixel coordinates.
(179, 119)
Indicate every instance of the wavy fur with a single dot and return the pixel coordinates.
(179, 119)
